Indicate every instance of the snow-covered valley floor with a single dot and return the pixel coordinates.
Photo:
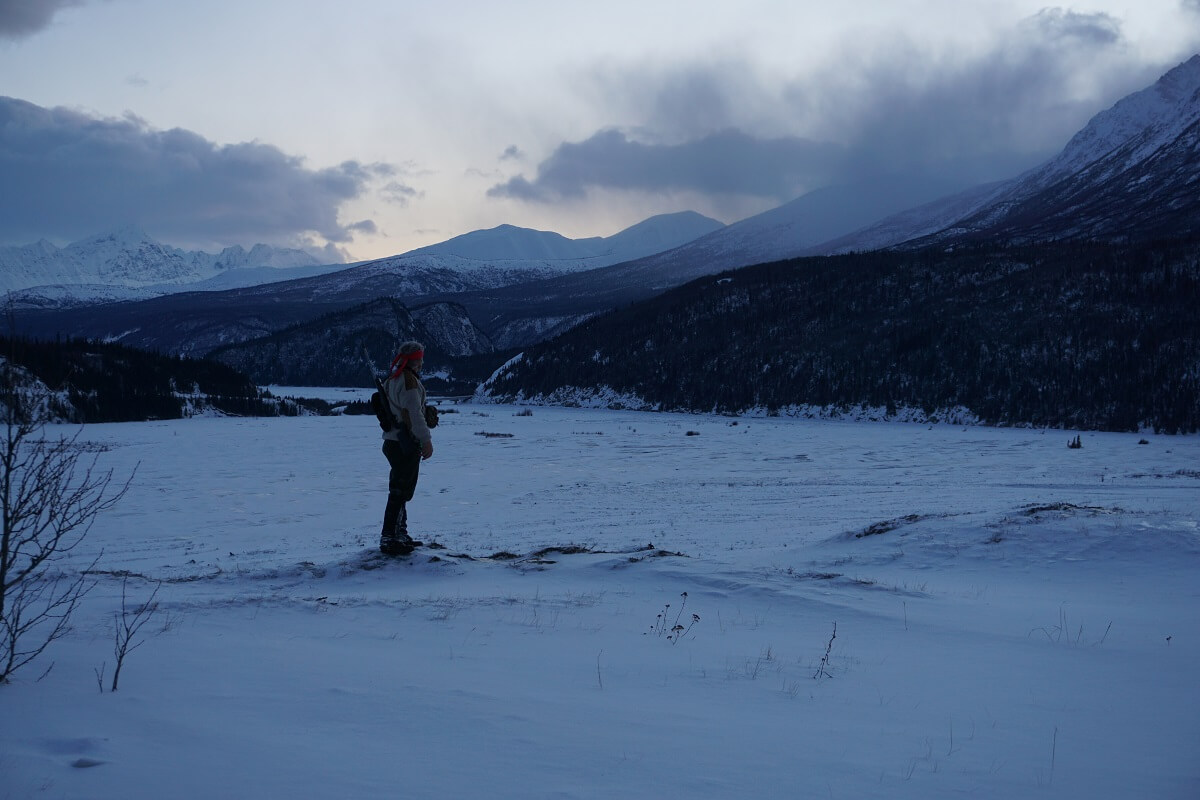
(1013, 618)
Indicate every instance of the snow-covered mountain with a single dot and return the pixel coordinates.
(130, 265)
(1135, 127)
(495, 258)
(508, 243)
(128, 259)
(788, 231)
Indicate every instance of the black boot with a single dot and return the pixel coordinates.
(402, 530)
(394, 539)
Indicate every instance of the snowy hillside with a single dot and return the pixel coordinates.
(66, 296)
(246, 277)
(913, 223)
(881, 611)
(510, 243)
(795, 228)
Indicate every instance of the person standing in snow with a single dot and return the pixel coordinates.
(404, 447)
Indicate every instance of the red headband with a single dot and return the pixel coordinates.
(401, 361)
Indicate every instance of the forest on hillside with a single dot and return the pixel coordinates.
(1073, 334)
(108, 382)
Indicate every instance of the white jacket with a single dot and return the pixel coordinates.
(406, 394)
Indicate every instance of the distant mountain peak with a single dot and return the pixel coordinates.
(512, 243)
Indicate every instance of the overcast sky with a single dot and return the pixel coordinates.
(379, 126)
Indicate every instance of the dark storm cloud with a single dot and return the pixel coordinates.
(364, 226)
(891, 108)
(512, 153)
(991, 115)
(20, 18)
(727, 162)
(67, 174)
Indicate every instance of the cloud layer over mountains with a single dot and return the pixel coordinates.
(69, 174)
(722, 128)
(387, 135)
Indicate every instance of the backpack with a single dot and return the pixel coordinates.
(383, 409)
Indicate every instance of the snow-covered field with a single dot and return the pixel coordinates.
(1014, 618)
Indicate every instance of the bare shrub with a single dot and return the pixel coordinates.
(126, 625)
(50, 494)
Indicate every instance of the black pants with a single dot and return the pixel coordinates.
(405, 460)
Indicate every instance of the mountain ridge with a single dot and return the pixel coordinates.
(128, 264)
(513, 243)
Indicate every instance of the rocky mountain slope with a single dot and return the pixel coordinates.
(1133, 173)
(329, 350)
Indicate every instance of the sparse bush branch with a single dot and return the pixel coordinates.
(823, 668)
(127, 624)
(52, 504)
(37, 612)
